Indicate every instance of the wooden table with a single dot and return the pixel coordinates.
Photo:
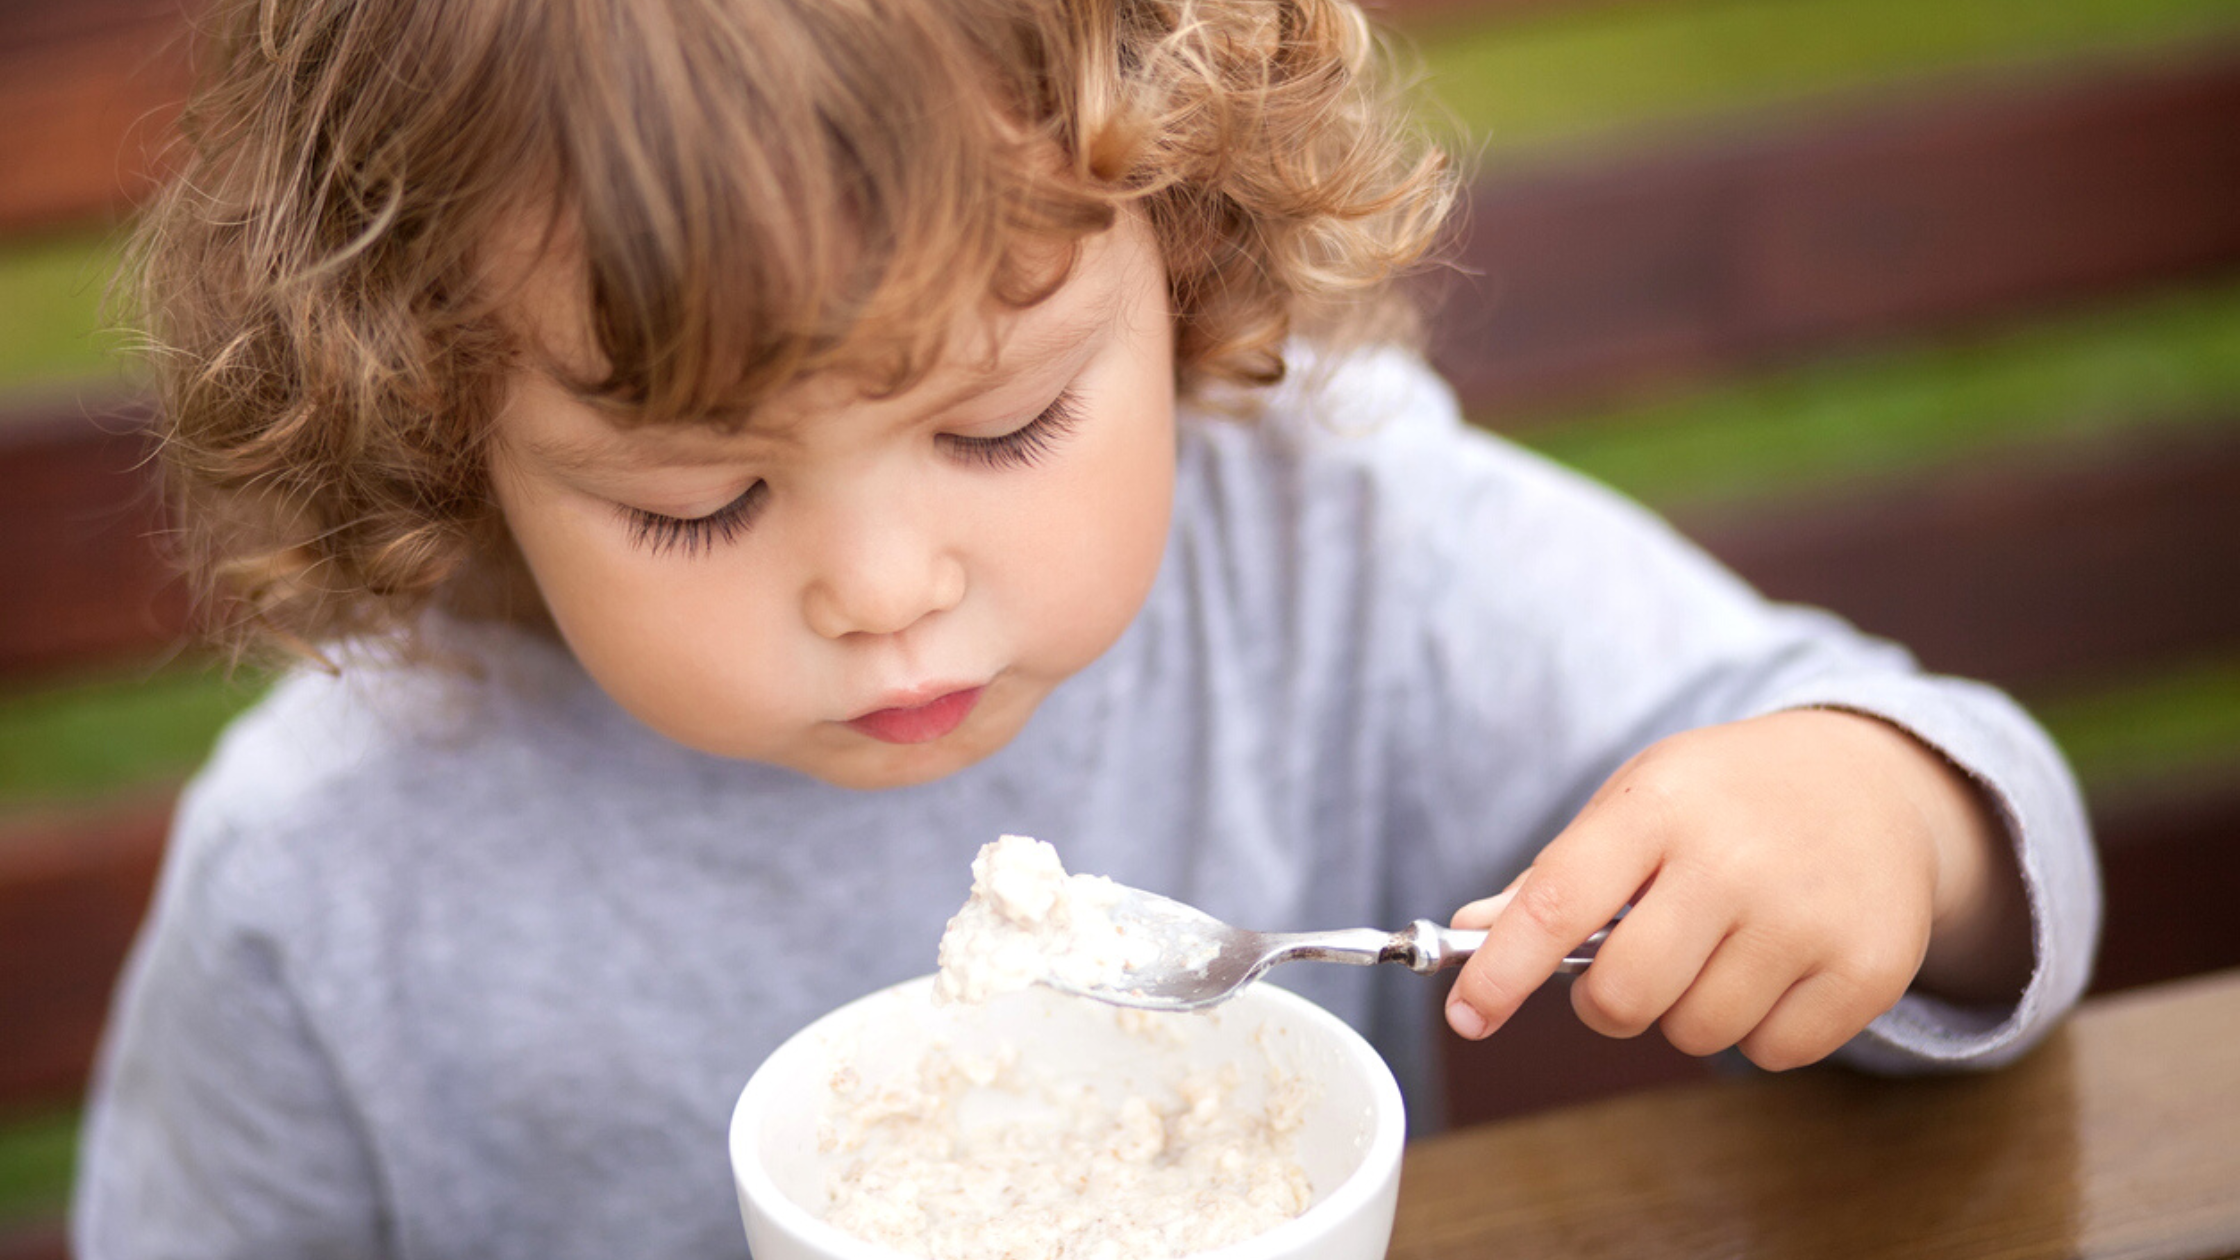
(2120, 1136)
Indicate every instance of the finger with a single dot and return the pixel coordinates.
(1737, 987)
(1653, 956)
(1575, 887)
(1807, 1024)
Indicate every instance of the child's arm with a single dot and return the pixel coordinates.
(216, 1125)
(1574, 686)
(1790, 876)
(1811, 828)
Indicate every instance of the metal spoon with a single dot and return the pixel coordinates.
(1202, 961)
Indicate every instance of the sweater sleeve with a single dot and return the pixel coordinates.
(217, 1127)
(1557, 629)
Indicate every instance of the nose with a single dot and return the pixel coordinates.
(880, 572)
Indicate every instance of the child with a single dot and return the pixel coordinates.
(741, 455)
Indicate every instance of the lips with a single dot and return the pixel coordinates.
(918, 723)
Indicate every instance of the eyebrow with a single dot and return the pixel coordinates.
(1035, 344)
(595, 455)
(1032, 343)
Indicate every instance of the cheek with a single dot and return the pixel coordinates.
(666, 642)
(583, 589)
(1098, 546)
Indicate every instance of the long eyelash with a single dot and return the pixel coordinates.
(696, 535)
(1025, 445)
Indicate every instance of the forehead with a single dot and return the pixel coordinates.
(548, 307)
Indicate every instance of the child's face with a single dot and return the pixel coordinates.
(874, 592)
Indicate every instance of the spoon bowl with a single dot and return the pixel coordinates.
(1200, 961)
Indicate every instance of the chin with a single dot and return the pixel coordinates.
(897, 767)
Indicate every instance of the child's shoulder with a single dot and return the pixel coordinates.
(329, 760)
(1347, 406)
(1380, 431)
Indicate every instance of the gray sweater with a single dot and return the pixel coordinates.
(471, 964)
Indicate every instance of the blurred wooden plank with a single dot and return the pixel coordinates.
(73, 888)
(27, 25)
(2170, 863)
(36, 1240)
(89, 90)
(2111, 1141)
(1483, 13)
(2029, 573)
(86, 581)
(1589, 281)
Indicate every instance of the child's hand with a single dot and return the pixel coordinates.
(1790, 876)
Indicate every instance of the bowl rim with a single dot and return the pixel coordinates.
(1387, 1138)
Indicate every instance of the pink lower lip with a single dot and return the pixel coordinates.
(918, 723)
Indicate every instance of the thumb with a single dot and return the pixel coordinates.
(1480, 914)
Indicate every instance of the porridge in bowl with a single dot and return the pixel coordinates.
(1037, 1124)
(1051, 1166)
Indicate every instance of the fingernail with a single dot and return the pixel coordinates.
(1465, 1019)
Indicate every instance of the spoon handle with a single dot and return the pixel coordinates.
(1424, 947)
(1359, 947)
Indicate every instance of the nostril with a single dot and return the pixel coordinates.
(949, 584)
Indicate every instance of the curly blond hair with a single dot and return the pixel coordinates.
(756, 191)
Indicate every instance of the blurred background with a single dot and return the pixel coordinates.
(1927, 311)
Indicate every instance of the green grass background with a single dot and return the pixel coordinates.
(53, 295)
(1601, 76)
(1589, 74)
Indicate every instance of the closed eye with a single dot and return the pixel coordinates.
(695, 535)
(1023, 446)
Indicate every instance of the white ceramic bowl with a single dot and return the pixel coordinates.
(1349, 1144)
